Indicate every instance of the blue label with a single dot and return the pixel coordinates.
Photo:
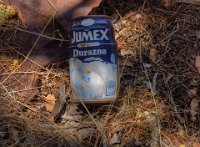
(95, 29)
(104, 53)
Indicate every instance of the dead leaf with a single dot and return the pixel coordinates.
(50, 102)
(192, 92)
(181, 133)
(115, 139)
(152, 54)
(127, 52)
(85, 133)
(176, 143)
(194, 108)
(197, 63)
(196, 144)
(52, 119)
(125, 63)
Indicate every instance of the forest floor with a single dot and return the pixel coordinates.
(158, 100)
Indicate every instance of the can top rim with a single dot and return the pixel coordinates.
(91, 16)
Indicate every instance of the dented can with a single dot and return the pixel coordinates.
(93, 60)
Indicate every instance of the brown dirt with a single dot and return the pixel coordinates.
(157, 47)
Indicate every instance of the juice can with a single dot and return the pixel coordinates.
(93, 60)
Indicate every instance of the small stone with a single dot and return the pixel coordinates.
(2, 134)
(138, 16)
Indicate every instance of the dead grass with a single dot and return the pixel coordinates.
(157, 49)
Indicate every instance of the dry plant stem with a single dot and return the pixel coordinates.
(143, 4)
(58, 130)
(43, 144)
(172, 100)
(154, 83)
(98, 127)
(41, 35)
(159, 137)
(61, 132)
(196, 2)
(15, 100)
(26, 58)
(166, 52)
(168, 139)
(175, 29)
(176, 111)
(155, 104)
(21, 83)
(120, 73)
(60, 101)
(56, 10)
(28, 89)
(105, 123)
(27, 72)
(116, 11)
(155, 135)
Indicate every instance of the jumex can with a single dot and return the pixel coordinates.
(93, 60)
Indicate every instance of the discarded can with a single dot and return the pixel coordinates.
(93, 60)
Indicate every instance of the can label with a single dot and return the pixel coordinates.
(93, 59)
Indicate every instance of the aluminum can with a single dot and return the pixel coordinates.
(93, 60)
